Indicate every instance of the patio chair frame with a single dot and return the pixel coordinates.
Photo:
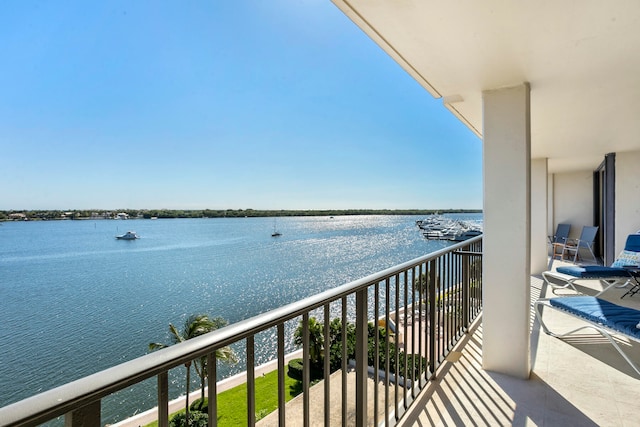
(586, 240)
(608, 276)
(558, 240)
(605, 331)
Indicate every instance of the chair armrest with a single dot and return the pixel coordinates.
(572, 242)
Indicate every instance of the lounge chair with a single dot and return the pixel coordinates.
(558, 240)
(615, 275)
(603, 316)
(586, 241)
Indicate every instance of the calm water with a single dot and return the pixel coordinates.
(74, 300)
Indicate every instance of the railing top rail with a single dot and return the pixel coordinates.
(60, 400)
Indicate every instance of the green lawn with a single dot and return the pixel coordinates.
(232, 403)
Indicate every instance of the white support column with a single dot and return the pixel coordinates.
(551, 214)
(507, 228)
(539, 247)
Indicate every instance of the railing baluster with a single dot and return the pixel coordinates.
(376, 352)
(87, 416)
(163, 399)
(415, 303)
(404, 343)
(456, 284)
(396, 347)
(386, 352)
(444, 291)
(344, 361)
(445, 287)
(362, 341)
(465, 292)
(212, 389)
(327, 367)
(306, 369)
(452, 289)
(281, 379)
(461, 327)
(251, 382)
(431, 330)
(459, 315)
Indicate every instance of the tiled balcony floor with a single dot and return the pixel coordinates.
(577, 381)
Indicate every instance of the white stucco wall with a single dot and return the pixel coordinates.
(539, 211)
(551, 225)
(627, 197)
(573, 200)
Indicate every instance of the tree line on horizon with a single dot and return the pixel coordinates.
(8, 215)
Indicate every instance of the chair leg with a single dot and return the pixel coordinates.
(568, 283)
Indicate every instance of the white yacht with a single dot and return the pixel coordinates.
(129, 235)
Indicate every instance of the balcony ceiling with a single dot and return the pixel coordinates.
(581, 58)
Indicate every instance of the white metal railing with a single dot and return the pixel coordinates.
(424, 305)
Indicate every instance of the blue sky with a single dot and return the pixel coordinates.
(219, 105)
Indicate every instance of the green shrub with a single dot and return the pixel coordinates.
(196, 419)
(295, 369)
(200, 405)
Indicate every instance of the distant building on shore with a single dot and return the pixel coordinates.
(18, 217)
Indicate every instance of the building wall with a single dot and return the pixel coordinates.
(539, 214)
(551, 225)
(627, 197)
(573, 200)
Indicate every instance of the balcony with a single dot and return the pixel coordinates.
(577, 381)
(574, 381)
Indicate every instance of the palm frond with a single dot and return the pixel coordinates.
(176, 336)
(226, 354)
(156, 346)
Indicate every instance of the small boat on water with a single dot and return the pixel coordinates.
(275, 233)
(129, 235)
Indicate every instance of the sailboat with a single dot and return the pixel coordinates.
(275, 233)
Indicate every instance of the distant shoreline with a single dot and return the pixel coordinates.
(89, 214)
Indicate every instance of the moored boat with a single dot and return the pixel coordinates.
(275, 233)
(438, 227)
(129, 235)
(467, 235)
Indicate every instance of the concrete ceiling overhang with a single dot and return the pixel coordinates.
(581, 59)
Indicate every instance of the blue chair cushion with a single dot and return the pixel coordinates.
(593, 271)
(632, 243)
(615, 317)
